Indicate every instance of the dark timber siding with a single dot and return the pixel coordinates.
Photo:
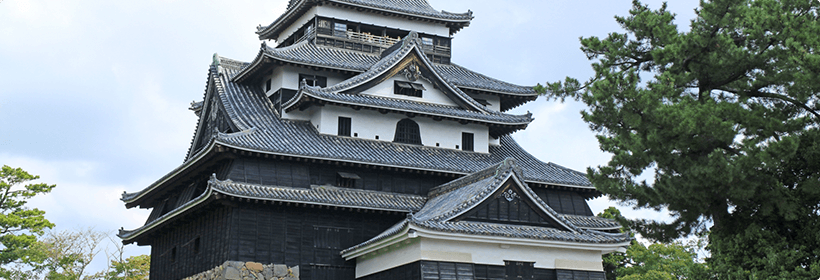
(309, 238)
(210, 227)
(302, 175)
(564, 202)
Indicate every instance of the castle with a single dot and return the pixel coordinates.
(356, 149)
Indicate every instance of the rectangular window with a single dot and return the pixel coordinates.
(346, 180)
(196, 245)
(344, 126)
(174, 254)
(408, 88)
(467, 141)
(519, 270)
(427, 41)
(313, 80)
(267, 85)
(340, 30)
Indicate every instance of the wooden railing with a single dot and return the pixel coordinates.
(373, 39)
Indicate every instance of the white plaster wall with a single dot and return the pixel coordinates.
(494, 100)
(406, 252)
(413, 250)
(307, 16)
(430, 94)
(497, 253)
(367, 124)
(381, 20)
(312, 114)
(288, 77)
(494, 141)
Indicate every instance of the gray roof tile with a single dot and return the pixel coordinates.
(306, 52)
(323, 195)
(300, 138)
(418, 8)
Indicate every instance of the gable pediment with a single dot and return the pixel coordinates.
(413, 73)
(509, 204)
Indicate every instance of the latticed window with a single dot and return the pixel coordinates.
(344, 126)
(407, 131)
(467, 141)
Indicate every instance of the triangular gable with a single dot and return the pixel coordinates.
(407, 59)
(213, 117)
(467, 197)
(509, 204)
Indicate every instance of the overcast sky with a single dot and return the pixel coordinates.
(94, 93)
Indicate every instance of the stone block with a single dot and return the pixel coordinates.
(295, 271)
(268, 272)
(232, 273)
(280, 270)
(254, 266)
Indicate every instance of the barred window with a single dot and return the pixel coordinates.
(467, 141)
(344, 126)
(407, 131)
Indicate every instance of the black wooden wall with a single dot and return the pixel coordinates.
(499, 209)
(302, 175)
(191, 247)
(307, 237)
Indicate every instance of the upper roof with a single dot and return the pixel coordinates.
(418, 9)
(310, 54)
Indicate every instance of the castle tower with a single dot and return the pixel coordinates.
(353, 147)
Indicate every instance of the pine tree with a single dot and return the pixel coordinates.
(727, 116)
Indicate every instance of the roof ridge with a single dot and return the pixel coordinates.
(494, 170)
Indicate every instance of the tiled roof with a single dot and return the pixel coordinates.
(263, 131)
(592, 222)
(448, 201)
(463, 77)
(416, 8)
(522, 231)
(400, 51)
(307, 53)
(300, 138)
(323, 195)
(413, 7)
(416, 107)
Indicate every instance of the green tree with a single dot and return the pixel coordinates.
(659, 261)
(726, 117)
(132, 268)
(19, 225)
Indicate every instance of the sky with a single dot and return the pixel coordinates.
(94, 93)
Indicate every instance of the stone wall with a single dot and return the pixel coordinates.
(231, 270)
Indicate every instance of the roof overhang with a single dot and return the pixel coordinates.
(413, 231)
(272, 31)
